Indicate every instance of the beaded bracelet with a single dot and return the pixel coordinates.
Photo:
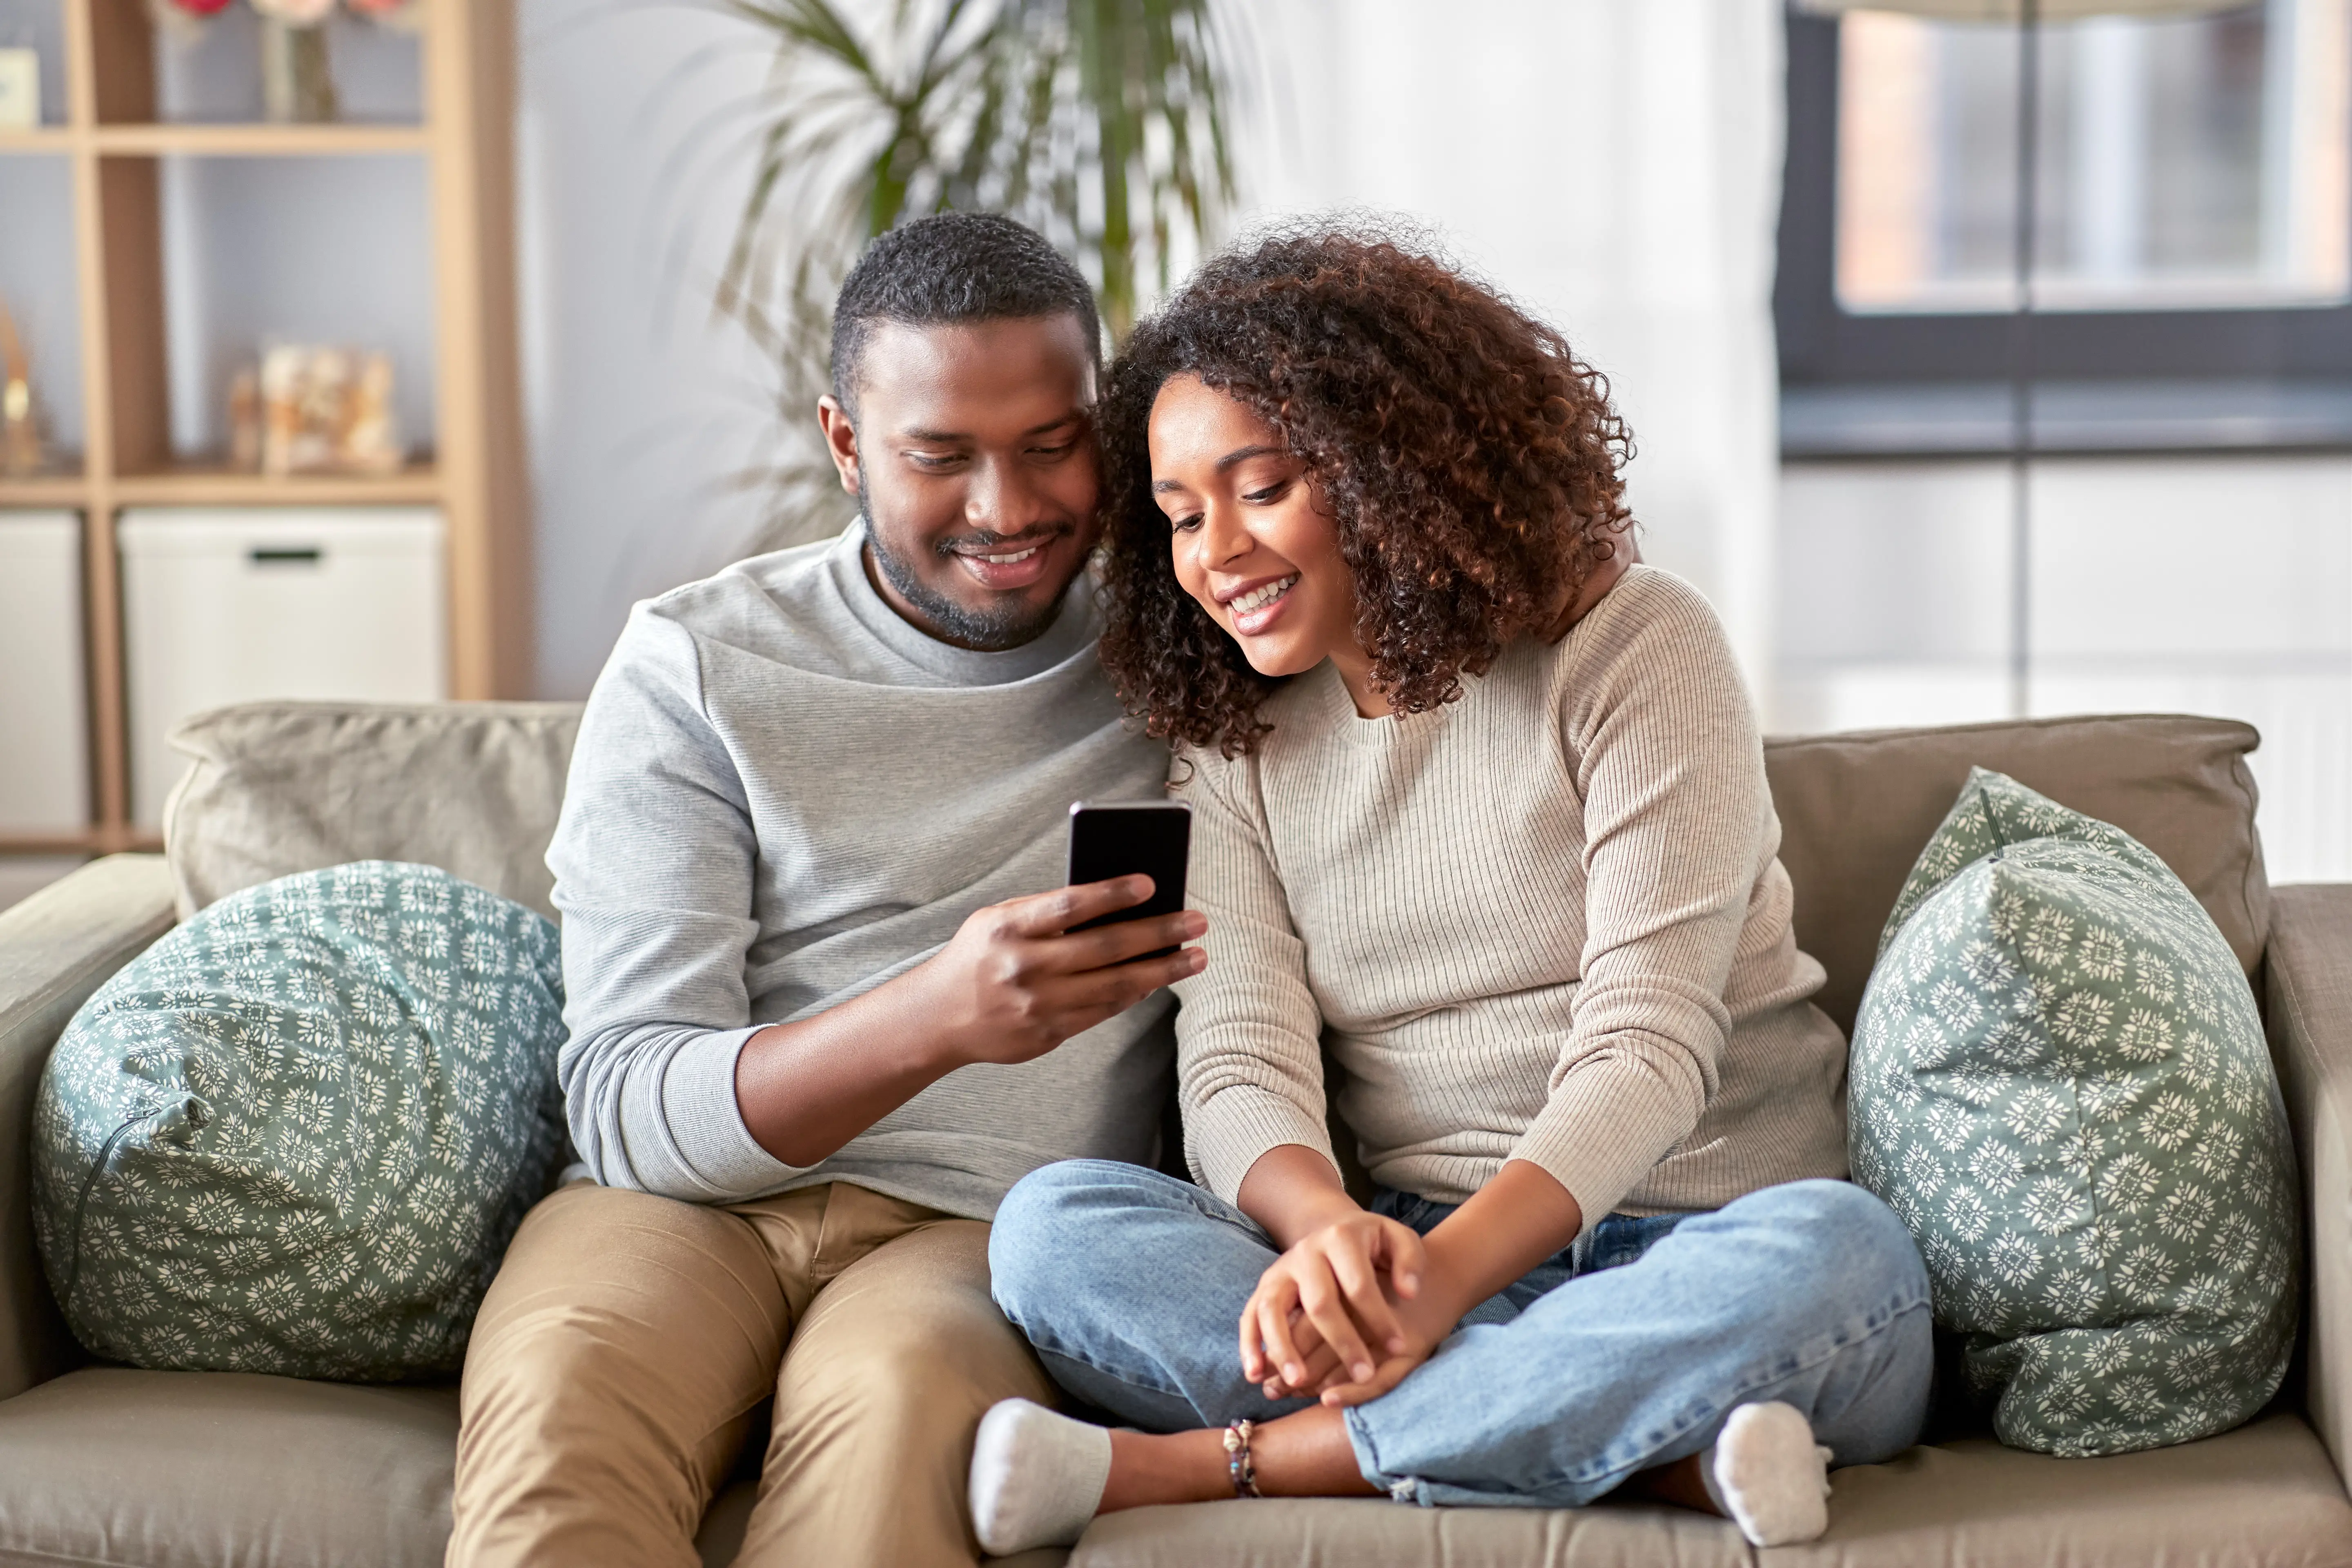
(1238, 1463)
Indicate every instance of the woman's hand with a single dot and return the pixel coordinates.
(1510, 1226)
(1422, 1322)
(1339, 1287)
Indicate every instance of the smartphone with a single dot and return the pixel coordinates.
(1121, 837)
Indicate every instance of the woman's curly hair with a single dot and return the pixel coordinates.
(1469, 459)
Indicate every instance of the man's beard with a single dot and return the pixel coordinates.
(1006, 625)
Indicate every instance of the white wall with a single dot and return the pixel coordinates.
(1615, 164)
(639, 405)
(2219, 585)
(1612, 162)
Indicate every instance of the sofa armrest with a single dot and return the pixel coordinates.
(2309, 989)
(56, 948)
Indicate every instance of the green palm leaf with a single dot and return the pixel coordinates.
(1102, 123)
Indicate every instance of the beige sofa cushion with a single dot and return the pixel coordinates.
(190, 1469)
(56, 949)
(2261, 1496)
(1856, 809)
(223, 1470)
(279, 787)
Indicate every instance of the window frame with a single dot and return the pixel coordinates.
(1823, 345)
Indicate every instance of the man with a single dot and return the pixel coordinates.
(823, 1007)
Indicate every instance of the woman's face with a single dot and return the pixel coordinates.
(1246, 536)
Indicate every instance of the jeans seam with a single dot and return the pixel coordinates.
(1052, 1345)
(1873, 1324)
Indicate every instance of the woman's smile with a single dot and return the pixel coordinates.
(1255, 606)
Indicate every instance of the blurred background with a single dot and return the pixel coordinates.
(1986, 358)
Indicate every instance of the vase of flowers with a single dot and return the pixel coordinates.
(298, 79)
(298, 83)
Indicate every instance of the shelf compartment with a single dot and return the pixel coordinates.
(211, 75)
(42, 290)
(211, 260)
(39, 25)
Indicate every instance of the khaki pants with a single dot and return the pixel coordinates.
(628, 1338)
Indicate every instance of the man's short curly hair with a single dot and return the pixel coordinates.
(1469, 459)
(952, 268)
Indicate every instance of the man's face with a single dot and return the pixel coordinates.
(973, 460)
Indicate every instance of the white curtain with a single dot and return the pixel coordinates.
(1615, 165)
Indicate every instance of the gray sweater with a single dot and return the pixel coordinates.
(1547, 923)
(783, 795)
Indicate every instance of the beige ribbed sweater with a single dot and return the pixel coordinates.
(1546, 922)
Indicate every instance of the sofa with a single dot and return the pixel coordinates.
(116, 1465)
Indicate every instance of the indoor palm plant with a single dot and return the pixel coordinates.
(1102, 123)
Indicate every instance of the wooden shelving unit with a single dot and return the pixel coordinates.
(475, 473)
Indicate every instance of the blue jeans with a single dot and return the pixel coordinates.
(1624, 1352)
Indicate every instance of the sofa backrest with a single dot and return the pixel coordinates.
(474, 788)
(280, 787)
(1856, 809)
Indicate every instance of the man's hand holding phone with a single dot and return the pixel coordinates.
(1016, 979)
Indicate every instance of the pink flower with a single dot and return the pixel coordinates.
(201, 7)
(377, 10)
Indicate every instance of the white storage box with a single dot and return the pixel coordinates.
(222, 606)
(43, 733)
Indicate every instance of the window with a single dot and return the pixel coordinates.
(2188, 162)
(2193, 230)
(2175, 533)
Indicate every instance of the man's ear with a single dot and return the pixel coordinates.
(840, 439)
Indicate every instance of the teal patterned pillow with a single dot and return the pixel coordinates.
(2060, 1083)
(295, 1135)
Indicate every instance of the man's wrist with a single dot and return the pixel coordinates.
(928, 1026)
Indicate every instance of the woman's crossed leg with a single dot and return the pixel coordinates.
(1580, 1378)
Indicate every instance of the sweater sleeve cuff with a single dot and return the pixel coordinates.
(1603, 1129)
(706, 1124)
(1237, 1125)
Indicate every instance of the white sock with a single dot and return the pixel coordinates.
(1769, 1475)
(1036, 1476)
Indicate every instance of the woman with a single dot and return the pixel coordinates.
(1479, 804)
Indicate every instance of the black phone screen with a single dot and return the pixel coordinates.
(1123, 838)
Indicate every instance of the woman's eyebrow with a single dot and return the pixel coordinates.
(1244, 454)
(1238, 454)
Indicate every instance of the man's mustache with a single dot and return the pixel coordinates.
(1001, 543)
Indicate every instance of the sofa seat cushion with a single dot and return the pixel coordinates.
(202, 1470)
(2263, 1496)
(226, 1470)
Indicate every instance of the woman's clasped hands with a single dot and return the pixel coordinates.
(1345, 1311)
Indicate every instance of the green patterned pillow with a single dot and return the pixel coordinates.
(295, 1135)
(2060, 1083)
